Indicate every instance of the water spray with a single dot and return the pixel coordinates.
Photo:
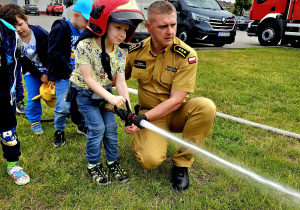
(255, 176)
(130, 117)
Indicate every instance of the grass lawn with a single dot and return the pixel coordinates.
(260, 85)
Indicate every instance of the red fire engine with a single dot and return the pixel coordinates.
(274, 20)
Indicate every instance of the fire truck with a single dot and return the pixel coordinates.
(275, 20)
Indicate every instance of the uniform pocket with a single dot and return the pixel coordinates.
(141, 74)
(167, 77)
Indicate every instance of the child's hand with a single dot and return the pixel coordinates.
(117, 101)
(51, 84)
(44, 78)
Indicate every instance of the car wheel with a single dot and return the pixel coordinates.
(219, 44)
(269, 34)
(47, 12)
(241, 28)
(38, 14)
(183, 35)
(53, 13)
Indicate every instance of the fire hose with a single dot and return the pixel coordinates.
(141, 121)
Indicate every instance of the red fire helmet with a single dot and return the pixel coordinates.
(126, 11)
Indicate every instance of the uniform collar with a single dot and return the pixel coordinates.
(164, 51)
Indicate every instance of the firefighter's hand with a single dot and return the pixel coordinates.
(137, 120)
(131, 129)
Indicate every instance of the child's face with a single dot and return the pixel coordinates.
(116, 32)
(22, 27)
(81, 21)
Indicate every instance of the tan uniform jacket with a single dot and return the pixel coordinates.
(173, 68)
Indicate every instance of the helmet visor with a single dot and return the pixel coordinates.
(124, 21)
(134, 18)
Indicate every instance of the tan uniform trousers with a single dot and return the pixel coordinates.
(194, 119)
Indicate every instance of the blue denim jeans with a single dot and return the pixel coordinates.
(61, 110)
(34, 107)
(101, 126)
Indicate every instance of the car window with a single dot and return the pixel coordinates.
(205, 4)
(57, 4)
(244, 18)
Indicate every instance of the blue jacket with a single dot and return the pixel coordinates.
(12, 52)
(42, 37)
(13, 49)
(59, 51)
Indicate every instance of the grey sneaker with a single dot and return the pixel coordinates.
(20, 108)
(37, 127)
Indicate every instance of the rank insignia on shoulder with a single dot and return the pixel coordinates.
(182, 51)
(192, 60)
(135, 47)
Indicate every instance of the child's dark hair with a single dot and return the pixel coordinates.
(10, 12)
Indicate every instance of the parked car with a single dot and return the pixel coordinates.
(198, 21)
(1, 5)
(31, 9)
(54, 8)
(242, 23)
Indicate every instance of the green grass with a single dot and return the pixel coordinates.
(260, 85)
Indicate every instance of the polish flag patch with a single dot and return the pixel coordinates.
(192, 60)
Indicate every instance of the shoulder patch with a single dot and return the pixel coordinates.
(135, 47)
(181, 50)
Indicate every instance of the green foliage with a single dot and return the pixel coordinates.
(260, 85)
(240, 6)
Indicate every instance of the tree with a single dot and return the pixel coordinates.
(241, 5)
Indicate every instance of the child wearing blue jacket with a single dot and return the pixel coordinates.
(63, 35)
(35, 41)
(11, 52)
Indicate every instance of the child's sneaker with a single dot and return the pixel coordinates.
(20, 108)
(59, 138)
(118, 172)
(98, 175)
(17, 173)
(82, 129)
(37, 127)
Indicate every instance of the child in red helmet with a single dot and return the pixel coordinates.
(98, 59)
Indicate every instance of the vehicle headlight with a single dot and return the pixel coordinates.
(200, 18)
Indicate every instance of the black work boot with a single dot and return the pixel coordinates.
(180, 178)
(59, 138)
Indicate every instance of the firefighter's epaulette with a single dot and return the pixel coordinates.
(181, 50)
(135, 47)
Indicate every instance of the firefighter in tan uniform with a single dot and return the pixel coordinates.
(165, 68)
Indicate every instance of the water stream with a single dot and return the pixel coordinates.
(254, 176)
